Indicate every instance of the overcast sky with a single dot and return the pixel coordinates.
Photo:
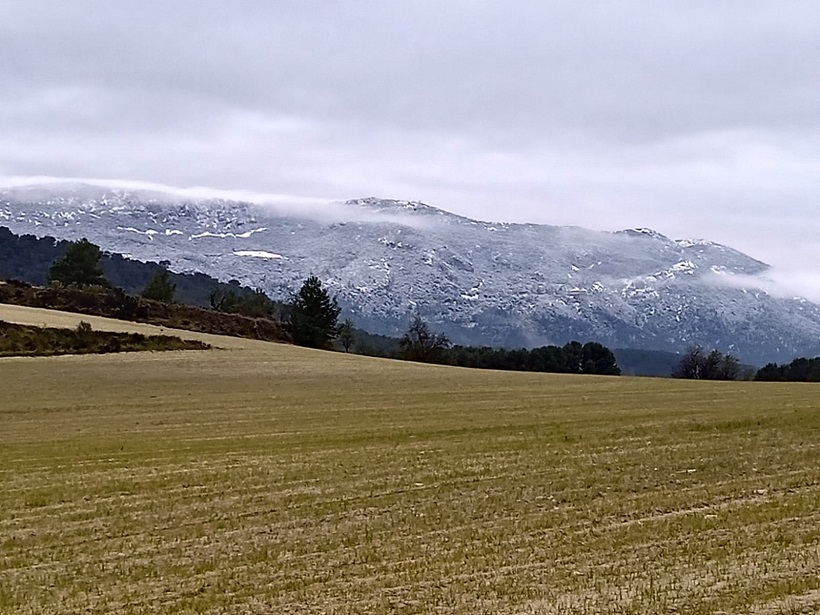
(696, 118)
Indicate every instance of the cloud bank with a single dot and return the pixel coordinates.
(699, 119)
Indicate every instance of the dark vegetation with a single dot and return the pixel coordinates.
(254, 304)
(78, 267)
(420, 343)
(347, 335)
(637, 362)
(160, 288)
(363, 342)
(571, 358)
(799, 370)
(697, 364)
(17, 340)
(115, 303)
(167, 299)
(314, 315)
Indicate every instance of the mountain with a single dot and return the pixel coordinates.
(479, 282)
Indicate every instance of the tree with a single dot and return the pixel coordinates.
(598, 359)
(313, 315)
(573, 357)
(346, 337)
(160, 288)
(79, 266)
(728, 367)
(222, 300)
(771, 372)
(696, 364)
(692, 365)
(420, 344)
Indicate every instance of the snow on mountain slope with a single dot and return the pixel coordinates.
(480, 282)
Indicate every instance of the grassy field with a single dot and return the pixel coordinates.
(263, 478)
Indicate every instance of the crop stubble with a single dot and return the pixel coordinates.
(267, 478)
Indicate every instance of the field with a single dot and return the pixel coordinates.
(262, 478)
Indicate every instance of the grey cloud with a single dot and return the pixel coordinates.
(699, 118)
(620, 69)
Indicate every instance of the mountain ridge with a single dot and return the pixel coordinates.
(505, 284)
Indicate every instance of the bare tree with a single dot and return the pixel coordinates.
(420, 344)
(346, 337)
(696, 364)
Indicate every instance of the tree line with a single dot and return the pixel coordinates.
(697, 364)
(799, 370)
(419, 343)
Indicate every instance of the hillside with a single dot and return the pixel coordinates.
(481, 283)
(118, 305)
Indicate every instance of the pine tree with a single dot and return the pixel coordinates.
(314, 315)
(160, 288)
(80, 266)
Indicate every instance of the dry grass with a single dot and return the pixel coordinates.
(271, 479)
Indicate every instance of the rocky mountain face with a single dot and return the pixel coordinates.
(479, 282)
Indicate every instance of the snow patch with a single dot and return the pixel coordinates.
(684, 267)
(259, 254)
(149, 233)
(643, 232)
(244, 235)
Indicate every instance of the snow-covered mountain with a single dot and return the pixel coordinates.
(480, 282)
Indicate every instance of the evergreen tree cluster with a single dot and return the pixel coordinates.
(799, 370)
(28, 258)
(641, 362)
(571, 358)
(421, 344)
